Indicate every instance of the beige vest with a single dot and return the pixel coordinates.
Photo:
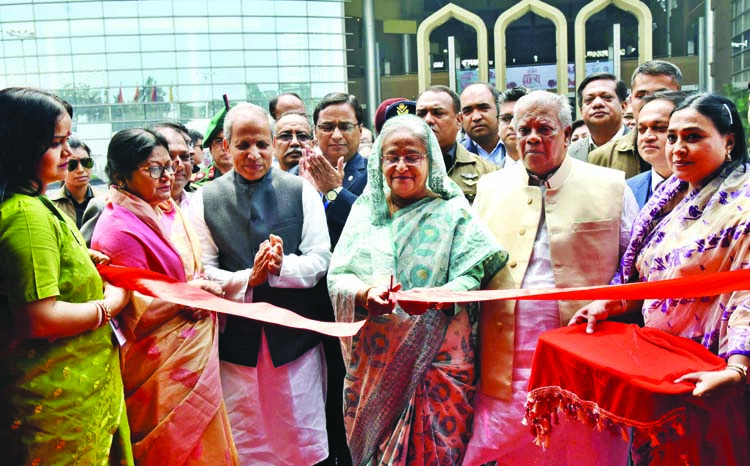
(583, 206)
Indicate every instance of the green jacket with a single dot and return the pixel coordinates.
(467, 170)
(620, 154)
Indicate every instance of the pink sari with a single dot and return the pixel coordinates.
(170, 364)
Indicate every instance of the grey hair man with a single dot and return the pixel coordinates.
(622, 153)
(564, 223)
(279, 256)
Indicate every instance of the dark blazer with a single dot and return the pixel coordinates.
(641, 187)
(355, 179)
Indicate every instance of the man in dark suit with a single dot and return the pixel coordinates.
(653, 121)
(641, 187)
(338, 171)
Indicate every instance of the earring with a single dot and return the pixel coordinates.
(729, 157)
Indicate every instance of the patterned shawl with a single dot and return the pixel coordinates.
(683, 232)
(433, 242)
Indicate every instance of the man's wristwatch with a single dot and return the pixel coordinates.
(333, 194)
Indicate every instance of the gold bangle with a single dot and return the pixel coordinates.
(98, 315)
(740, 369)
(105, 313)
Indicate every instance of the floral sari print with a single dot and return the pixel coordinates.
(410, 382)
(61, 400)
(683, 232)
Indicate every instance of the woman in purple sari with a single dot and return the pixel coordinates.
(697, 222)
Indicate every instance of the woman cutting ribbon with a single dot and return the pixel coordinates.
(410, 378)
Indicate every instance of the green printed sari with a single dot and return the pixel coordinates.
(61, 401)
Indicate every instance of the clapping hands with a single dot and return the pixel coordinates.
(268, 259)
(316, 169)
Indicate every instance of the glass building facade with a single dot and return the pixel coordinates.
(123, 63)
(740, 44)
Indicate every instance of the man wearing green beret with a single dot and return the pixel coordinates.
(222, 161)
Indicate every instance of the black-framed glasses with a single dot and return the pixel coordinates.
(86, 162)
(287, 137)
(411, 159)
(343, 126)
(156, 171)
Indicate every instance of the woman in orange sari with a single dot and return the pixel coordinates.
(170, 364)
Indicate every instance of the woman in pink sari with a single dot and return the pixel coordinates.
(170, 364)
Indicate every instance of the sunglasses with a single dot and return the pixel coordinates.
(86, 162)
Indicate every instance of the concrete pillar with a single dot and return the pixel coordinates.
(371, 65)
(406, 45)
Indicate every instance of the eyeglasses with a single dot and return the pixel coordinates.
(411, 159)
(86, 162)
(344, 127)
(156, 171)
(287, 137)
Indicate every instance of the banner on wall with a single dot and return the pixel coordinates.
(542, 77)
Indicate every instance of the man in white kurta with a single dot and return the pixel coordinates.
(564, 223)
(264, 237)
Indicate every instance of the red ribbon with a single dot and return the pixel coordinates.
(163, 287)
(694, 286)
(418, 301)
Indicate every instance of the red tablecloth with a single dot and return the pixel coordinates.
(623, 376)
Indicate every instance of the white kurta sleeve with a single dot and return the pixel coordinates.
(629, 212)
(307, 268)
(234, 284)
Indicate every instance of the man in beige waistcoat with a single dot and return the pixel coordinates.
(565, 223)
